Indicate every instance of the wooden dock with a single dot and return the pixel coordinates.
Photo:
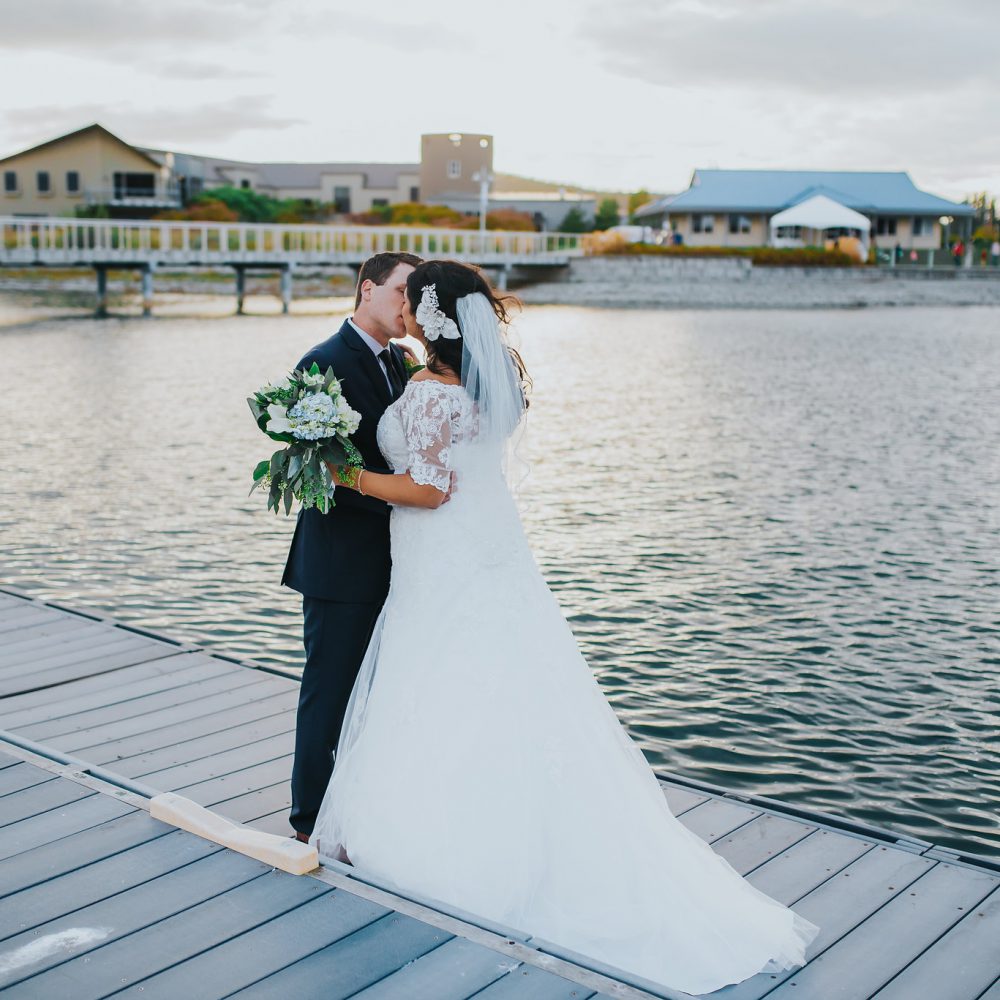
(99, 899)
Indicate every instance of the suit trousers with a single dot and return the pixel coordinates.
(336, 636)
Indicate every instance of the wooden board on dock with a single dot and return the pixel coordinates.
(900, 917)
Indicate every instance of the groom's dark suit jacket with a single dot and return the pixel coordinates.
(343, 555)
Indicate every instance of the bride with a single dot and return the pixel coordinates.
(479, 762)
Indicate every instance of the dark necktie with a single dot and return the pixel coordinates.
(397, 387)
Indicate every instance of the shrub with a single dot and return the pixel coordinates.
(761, 256)
(203, 210)
(507, 219)
(602, 242)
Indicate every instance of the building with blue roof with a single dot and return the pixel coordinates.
(734, 207)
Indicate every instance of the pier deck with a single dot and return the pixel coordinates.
(100, 899)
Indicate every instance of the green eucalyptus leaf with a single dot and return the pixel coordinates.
(261, 470)
(289, 497)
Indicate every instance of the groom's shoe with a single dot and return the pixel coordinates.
(301, 837)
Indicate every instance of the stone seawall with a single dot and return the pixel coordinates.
(733, 282)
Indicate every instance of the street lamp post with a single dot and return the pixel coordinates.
(485, 178)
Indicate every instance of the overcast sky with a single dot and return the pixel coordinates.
(620, 94)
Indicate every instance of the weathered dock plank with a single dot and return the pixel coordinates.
(878, 949)
(239, 758)
(123, 915)
(73, 892)
(350, 964)
(528, 983)
(838, 905)
(19, 776)
(38, 799)
(312, 916)
(103, 690)
(48, 862)
(960, 964)
(167, 737)
(208, 747)
(896, 918)
(455, 970)
(717, 817)
(69, 728)
(25, 834)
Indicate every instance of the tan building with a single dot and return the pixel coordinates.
(87, 167)
(92, 166)
(453, 164)
(352, 187)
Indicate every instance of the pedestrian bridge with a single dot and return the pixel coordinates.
(147, 245)
(138, 243)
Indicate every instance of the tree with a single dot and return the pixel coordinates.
(574, 222)
(636, 200)
(607, 214)
(249, 205)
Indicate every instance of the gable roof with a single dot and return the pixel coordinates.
(96, 127)
(821, 212)
(214, 170)
(878, 192)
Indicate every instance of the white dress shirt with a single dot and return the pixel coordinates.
(376, 349)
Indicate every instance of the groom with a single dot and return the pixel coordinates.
(339, 561)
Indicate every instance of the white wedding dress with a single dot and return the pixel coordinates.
(481, 765)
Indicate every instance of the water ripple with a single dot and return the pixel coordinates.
(776, 535)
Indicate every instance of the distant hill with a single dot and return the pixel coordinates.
(504, 183)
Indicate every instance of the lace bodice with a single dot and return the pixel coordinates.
(419, 431)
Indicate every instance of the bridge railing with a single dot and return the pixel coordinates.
(54, 240)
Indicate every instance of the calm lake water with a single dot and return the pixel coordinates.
(775, 534)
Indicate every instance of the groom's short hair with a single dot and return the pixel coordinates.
(379, 266)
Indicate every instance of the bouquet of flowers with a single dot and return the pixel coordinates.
(307, 411)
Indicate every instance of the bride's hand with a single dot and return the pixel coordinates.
(408, 354)
(451, 489)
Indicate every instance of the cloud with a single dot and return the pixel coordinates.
(170, 128)
(187, 69)
(828, 48)
(348, 25)
(96, 27)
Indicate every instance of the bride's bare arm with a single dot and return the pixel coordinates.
(397, 489)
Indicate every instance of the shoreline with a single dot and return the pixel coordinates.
(30, 294)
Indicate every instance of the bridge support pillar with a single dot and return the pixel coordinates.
(502, 277)
(101, 309)
(241, 287)
(147, 289)
(286, 287)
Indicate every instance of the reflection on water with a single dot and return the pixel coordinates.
(775, 534)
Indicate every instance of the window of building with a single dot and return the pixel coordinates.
(43, 181)
(245, 184)
(342, 199)
(72, 181)
(885, 227)
(789, 232)
(134, 185)
(10, 181)
(454, 168)
(702, 223)
(739, 223)
(414, 194)
(379, 202)
(923, 226)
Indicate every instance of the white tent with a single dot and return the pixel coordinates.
(819, 213)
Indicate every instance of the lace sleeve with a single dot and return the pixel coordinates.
(427, 427)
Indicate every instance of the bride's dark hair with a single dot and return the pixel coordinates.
(453, 280)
